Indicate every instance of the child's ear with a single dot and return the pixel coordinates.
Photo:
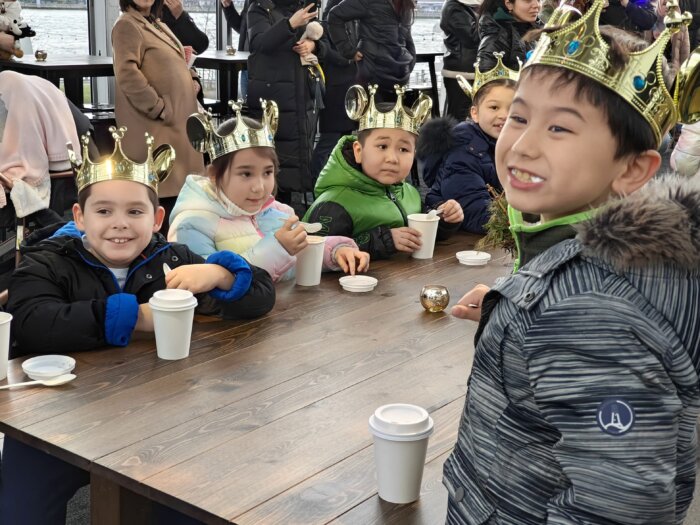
(210, 172)
(357, 150)
(640, 169)
(159, 217)
(474, 114)
(78, 216)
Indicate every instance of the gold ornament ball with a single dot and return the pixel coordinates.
(434, 297)
(40, 55)
(230, 50)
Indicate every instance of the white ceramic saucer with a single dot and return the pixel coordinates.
(48, 366)
(358, 283)
(473, 258)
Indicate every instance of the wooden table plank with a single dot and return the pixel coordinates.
(338, 489)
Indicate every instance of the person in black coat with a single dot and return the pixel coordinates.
(460, 23)
(502, 25)
(183, 26)
(385, 52)
(275, 73)
(239, 23)
(340, 75)
(631, 15)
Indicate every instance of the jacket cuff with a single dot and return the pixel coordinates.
(120, 318)
(239, 267)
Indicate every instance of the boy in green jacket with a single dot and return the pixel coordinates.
(362, 193)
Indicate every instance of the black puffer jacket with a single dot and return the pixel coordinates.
(275, 73)
(385, 40)
(638, 16)
(499, 34)
(460, 24)
(340, 75)
(239, 23)
(65, 300)
(186, 30)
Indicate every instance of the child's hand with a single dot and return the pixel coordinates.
(452, 211)
(198, 278)
(345, 258)
(144, 323)
(406, 239)
(292, 239)
(469, 306)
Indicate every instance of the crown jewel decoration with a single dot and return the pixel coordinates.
(204, 138)
(499, 72)
(579, 46)
(361, 107)
(119, 167)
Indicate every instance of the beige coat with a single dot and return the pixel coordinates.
(154, 93)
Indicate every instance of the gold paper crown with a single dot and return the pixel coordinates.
(119, 167)
(688, 92)
(204, 138)
(499, 72)
(361, 107)
(579, 46)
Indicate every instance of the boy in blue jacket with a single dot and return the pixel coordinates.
(458, 159)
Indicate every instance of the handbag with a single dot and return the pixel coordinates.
(316, 80)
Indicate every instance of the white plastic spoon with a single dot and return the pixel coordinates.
(56, 381)
(166, 269)
(310, 227)
(435, 213)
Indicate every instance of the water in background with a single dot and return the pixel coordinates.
(65, 32)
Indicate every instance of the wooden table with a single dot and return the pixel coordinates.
(266, 421)
(72, 69)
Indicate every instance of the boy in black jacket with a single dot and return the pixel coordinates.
(80, 291)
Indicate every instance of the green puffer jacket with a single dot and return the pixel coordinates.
(350, 203)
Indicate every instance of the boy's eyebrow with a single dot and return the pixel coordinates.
(386, 137)
(555, 109)
(105, 202)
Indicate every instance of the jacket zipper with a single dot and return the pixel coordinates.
(392, 197)
(254, 222)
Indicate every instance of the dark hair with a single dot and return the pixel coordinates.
(220, 165)
(406, 9)
(156, 8)
(83, 197)
(632, 132)
(486, 7)
(481, 94)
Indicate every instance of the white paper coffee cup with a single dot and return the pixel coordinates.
(401, 434)
(310, 261)
(5, 319)
(173, 314)
(427, 225)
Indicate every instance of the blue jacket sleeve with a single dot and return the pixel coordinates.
(239, 267)
(120, 318)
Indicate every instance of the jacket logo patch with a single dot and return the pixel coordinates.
(615, 416)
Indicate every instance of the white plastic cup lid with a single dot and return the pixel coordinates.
(423, 217)
(401, 422)
(358, 281)
(174, 299)
(48, 366)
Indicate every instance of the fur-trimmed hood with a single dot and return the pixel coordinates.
(658, 224)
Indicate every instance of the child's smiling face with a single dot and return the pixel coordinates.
(492, 110)
(118, 220)
(556, 153)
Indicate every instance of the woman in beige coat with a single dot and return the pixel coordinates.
(155, 91)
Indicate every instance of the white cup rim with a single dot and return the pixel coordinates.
(423, 217)
(157, 305)
(5, 317)
(402, 437)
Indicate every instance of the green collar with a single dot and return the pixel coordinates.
(533, 239)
